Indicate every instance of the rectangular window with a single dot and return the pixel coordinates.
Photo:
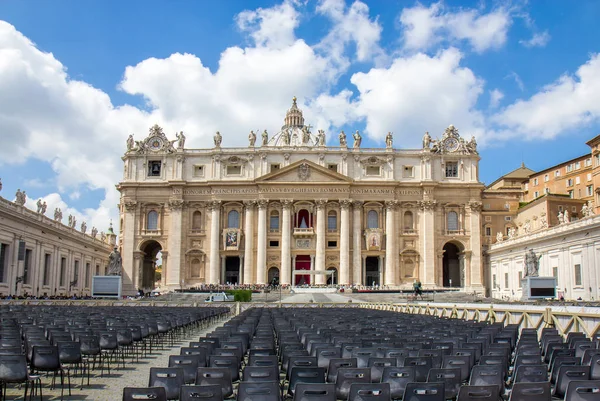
(97, 270)
(546, 190)
(274, 222)
(273, 244)
(577, 269)
(535, 181)
(494, 283)
(577, 165)
(27, 266)
(570, 182)
(589, 176)
(597, 159)
(47, 263)
(555, 273)
(488, 231)
(557, 173)
(199, 171)
(331, 244)
(571, 194)
(588, 162)
(332, 167)
(275, 167)
(507, 218)
(520, 278)
(87, 275)
(63, 269)
(408, 172)
(3, 261)
(569, 168)
(505, 280)
(577, 180)
(373, 170)
(76, 273)
(451, 169)
(234, 170)
(546, 178)
(154, 168)
(536, 194)
(487, 206)
(526, 186)
(589, 190)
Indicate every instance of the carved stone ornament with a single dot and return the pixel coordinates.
(214, 205)
(373, 161)
(287, 203)
(391, 205)
(156, 141)
(130, 205)
(345, 203)
(321, 203)
(262, 203)
(234, 160)
(176, 204)
(427, 205)
(249, 204)
(452, 142)
(303, 171)
(475, 206)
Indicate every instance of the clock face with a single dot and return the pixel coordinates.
(451, 144)
(155, 143)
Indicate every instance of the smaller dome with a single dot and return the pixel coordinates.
(293, 132)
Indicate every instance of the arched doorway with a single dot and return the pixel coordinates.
(332, 279)
(273, 276)
(152, 259)
(451, 266)
(372, 271)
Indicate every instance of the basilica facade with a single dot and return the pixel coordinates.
(294, 208)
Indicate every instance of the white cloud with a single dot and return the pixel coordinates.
(539, 39)
(495, 97)
(351, 25)
(270, 27)
(426, 26)
(415, 94)
(568, 103)
(514, 76)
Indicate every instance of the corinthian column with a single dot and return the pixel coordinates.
(249, 242)
(261, 252)
(174, 273)
(390, 243)
(345, 242)
(320, 254)
(476, 279)
(215, 259)
(427, 272)
(357, 243)
(286, 268)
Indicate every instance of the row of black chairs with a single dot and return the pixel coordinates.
(37, 340)
(354, 354)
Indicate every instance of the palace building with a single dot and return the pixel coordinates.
(296, 209)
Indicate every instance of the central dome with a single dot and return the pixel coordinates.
(294, 132)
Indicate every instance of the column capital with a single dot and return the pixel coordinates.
(475, 206)
(130, 205)
(249, 204)
(345, 203)
(287, 203)
(320, 203)
(262, 203)
(176, 204)
(427, 204)
(164, 254)
(214, 205)
(357, 204)
(391, 205)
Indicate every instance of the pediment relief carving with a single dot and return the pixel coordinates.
(234, 160)
(373, 161)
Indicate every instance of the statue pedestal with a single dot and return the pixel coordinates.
(538, 288)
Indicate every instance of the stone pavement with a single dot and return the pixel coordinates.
(110, 387)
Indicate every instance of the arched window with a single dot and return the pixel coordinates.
(233, 219)
(152, 223)
(274, 220)
(332, 220)
(372, 219)
(408, 221)
(197, 220)
(452, 221)
(196, 267)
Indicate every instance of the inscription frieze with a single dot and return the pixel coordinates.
(298, 190)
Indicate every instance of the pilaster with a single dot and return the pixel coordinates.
(175, 243)
(427, 231)
(390, 242)
(357, 259)
(286, 268)
(215, 215)
(261, 251)
(345, 241)
(249, 242)
(320, 248)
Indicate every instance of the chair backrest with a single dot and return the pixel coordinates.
(449, 376)
(458, 362)
(263, 360)
(560, 361)
(144, 393)
(422, 365)
(595, 367)
(531, 392)
(436, 354)
(349, 376)
(189, 364)
(424, 392)
(201, 393)
(45, 358)
(369, 392)
(255, 391)
(170, 378)
(488, 375)
(531, 374)
(217, 376)
(69, 352)
(302, 374)
(13, 368)
(325, 354)
(300, 361)
(225, 361)
(260, 373)
(478, 393)
(314, 392)
(584, 390)
(567, 374)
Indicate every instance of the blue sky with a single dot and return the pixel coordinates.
(77, 77)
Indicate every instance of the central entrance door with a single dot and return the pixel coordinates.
(372, 270)
(302, 263)
(232, 269)
(451, 266)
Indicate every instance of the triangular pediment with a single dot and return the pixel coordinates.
(304, 171)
